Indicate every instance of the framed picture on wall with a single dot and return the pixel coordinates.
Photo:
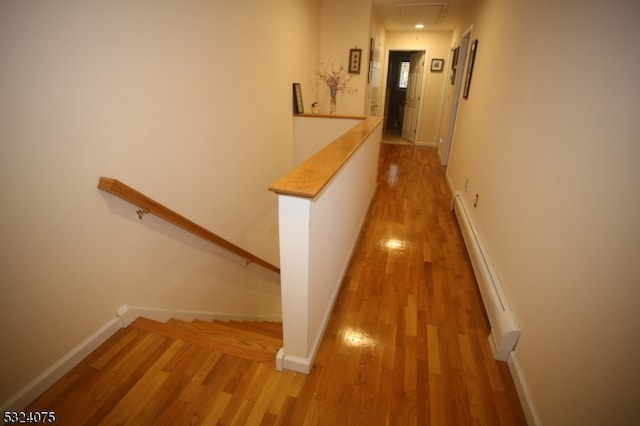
(355, 58)
(437, 65)
(472, 60)
(454, 64)
(298, 106)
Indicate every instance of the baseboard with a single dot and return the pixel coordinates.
(55, 372)
(524, 393)
(294, 363)
(429, 144)
(128, 314)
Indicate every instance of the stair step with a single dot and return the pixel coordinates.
(268, 328)
(251, 329)
(233, 335)
(262, 349)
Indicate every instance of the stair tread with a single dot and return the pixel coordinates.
(223, 342)
(248, 328)
(273, 329)
(229, 334)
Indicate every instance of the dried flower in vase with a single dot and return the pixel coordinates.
(336, 81)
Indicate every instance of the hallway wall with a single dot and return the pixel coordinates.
(548, 139)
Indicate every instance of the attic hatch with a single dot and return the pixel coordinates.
(421, 13)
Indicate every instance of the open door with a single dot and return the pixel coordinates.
(412, 101)
(444, 149)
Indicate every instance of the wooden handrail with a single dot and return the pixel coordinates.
(148, 205)
(309, 178)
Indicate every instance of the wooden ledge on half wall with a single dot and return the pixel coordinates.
(309, 178)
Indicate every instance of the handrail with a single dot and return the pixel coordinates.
(148, 205)
(309, 178)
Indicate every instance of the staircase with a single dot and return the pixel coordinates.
(177, 372)
(250, 340)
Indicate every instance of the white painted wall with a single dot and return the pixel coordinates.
(189, 102)
(549, 140)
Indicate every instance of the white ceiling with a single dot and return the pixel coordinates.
(402, 15)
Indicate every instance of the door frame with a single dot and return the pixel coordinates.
(385, 88)
(449, 137)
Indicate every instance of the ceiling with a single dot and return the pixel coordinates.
(403, 15)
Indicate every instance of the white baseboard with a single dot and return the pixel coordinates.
(124, 317)
(294, 363)
(430, 144)
(524, 393)
(55, 372)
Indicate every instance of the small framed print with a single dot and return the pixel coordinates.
(437, 65)
(472, 61)
(355, 58)
(298, 106)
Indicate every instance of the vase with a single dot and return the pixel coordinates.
(332, 102)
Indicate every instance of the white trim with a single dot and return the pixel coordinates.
(280, 360)
(297, 364)
(429, 144)
(55, 372)
(524, 393)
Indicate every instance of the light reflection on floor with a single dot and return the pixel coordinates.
(392, 244)
(359, 339)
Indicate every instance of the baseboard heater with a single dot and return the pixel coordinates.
(504, 329)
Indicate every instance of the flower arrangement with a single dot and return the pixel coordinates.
(336, 81)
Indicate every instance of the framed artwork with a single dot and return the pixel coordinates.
(298, 106)
(372, 47)
(355, 58)
(472, 60)
(437, 65)
(454, 64)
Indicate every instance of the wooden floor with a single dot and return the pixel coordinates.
(406, 343)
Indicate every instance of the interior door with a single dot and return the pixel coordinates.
(412, 101)
(444, 149)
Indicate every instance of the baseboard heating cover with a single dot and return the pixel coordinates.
(504, 329)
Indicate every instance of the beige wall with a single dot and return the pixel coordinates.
(190, 102)
(345, 24)
(437, 45)
(549, 140)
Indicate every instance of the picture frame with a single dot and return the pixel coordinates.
(472, 61)
(355, 59)
(454, 64)
(298, 106)
(437, 65)
(372, 46)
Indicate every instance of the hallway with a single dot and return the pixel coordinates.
(407, 340)
(406, 343)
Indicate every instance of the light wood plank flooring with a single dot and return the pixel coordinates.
(406, 343)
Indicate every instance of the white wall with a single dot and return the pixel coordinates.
(437, 45)
(189, 102)
(549, 140)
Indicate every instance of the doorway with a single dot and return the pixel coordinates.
(405, 74)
